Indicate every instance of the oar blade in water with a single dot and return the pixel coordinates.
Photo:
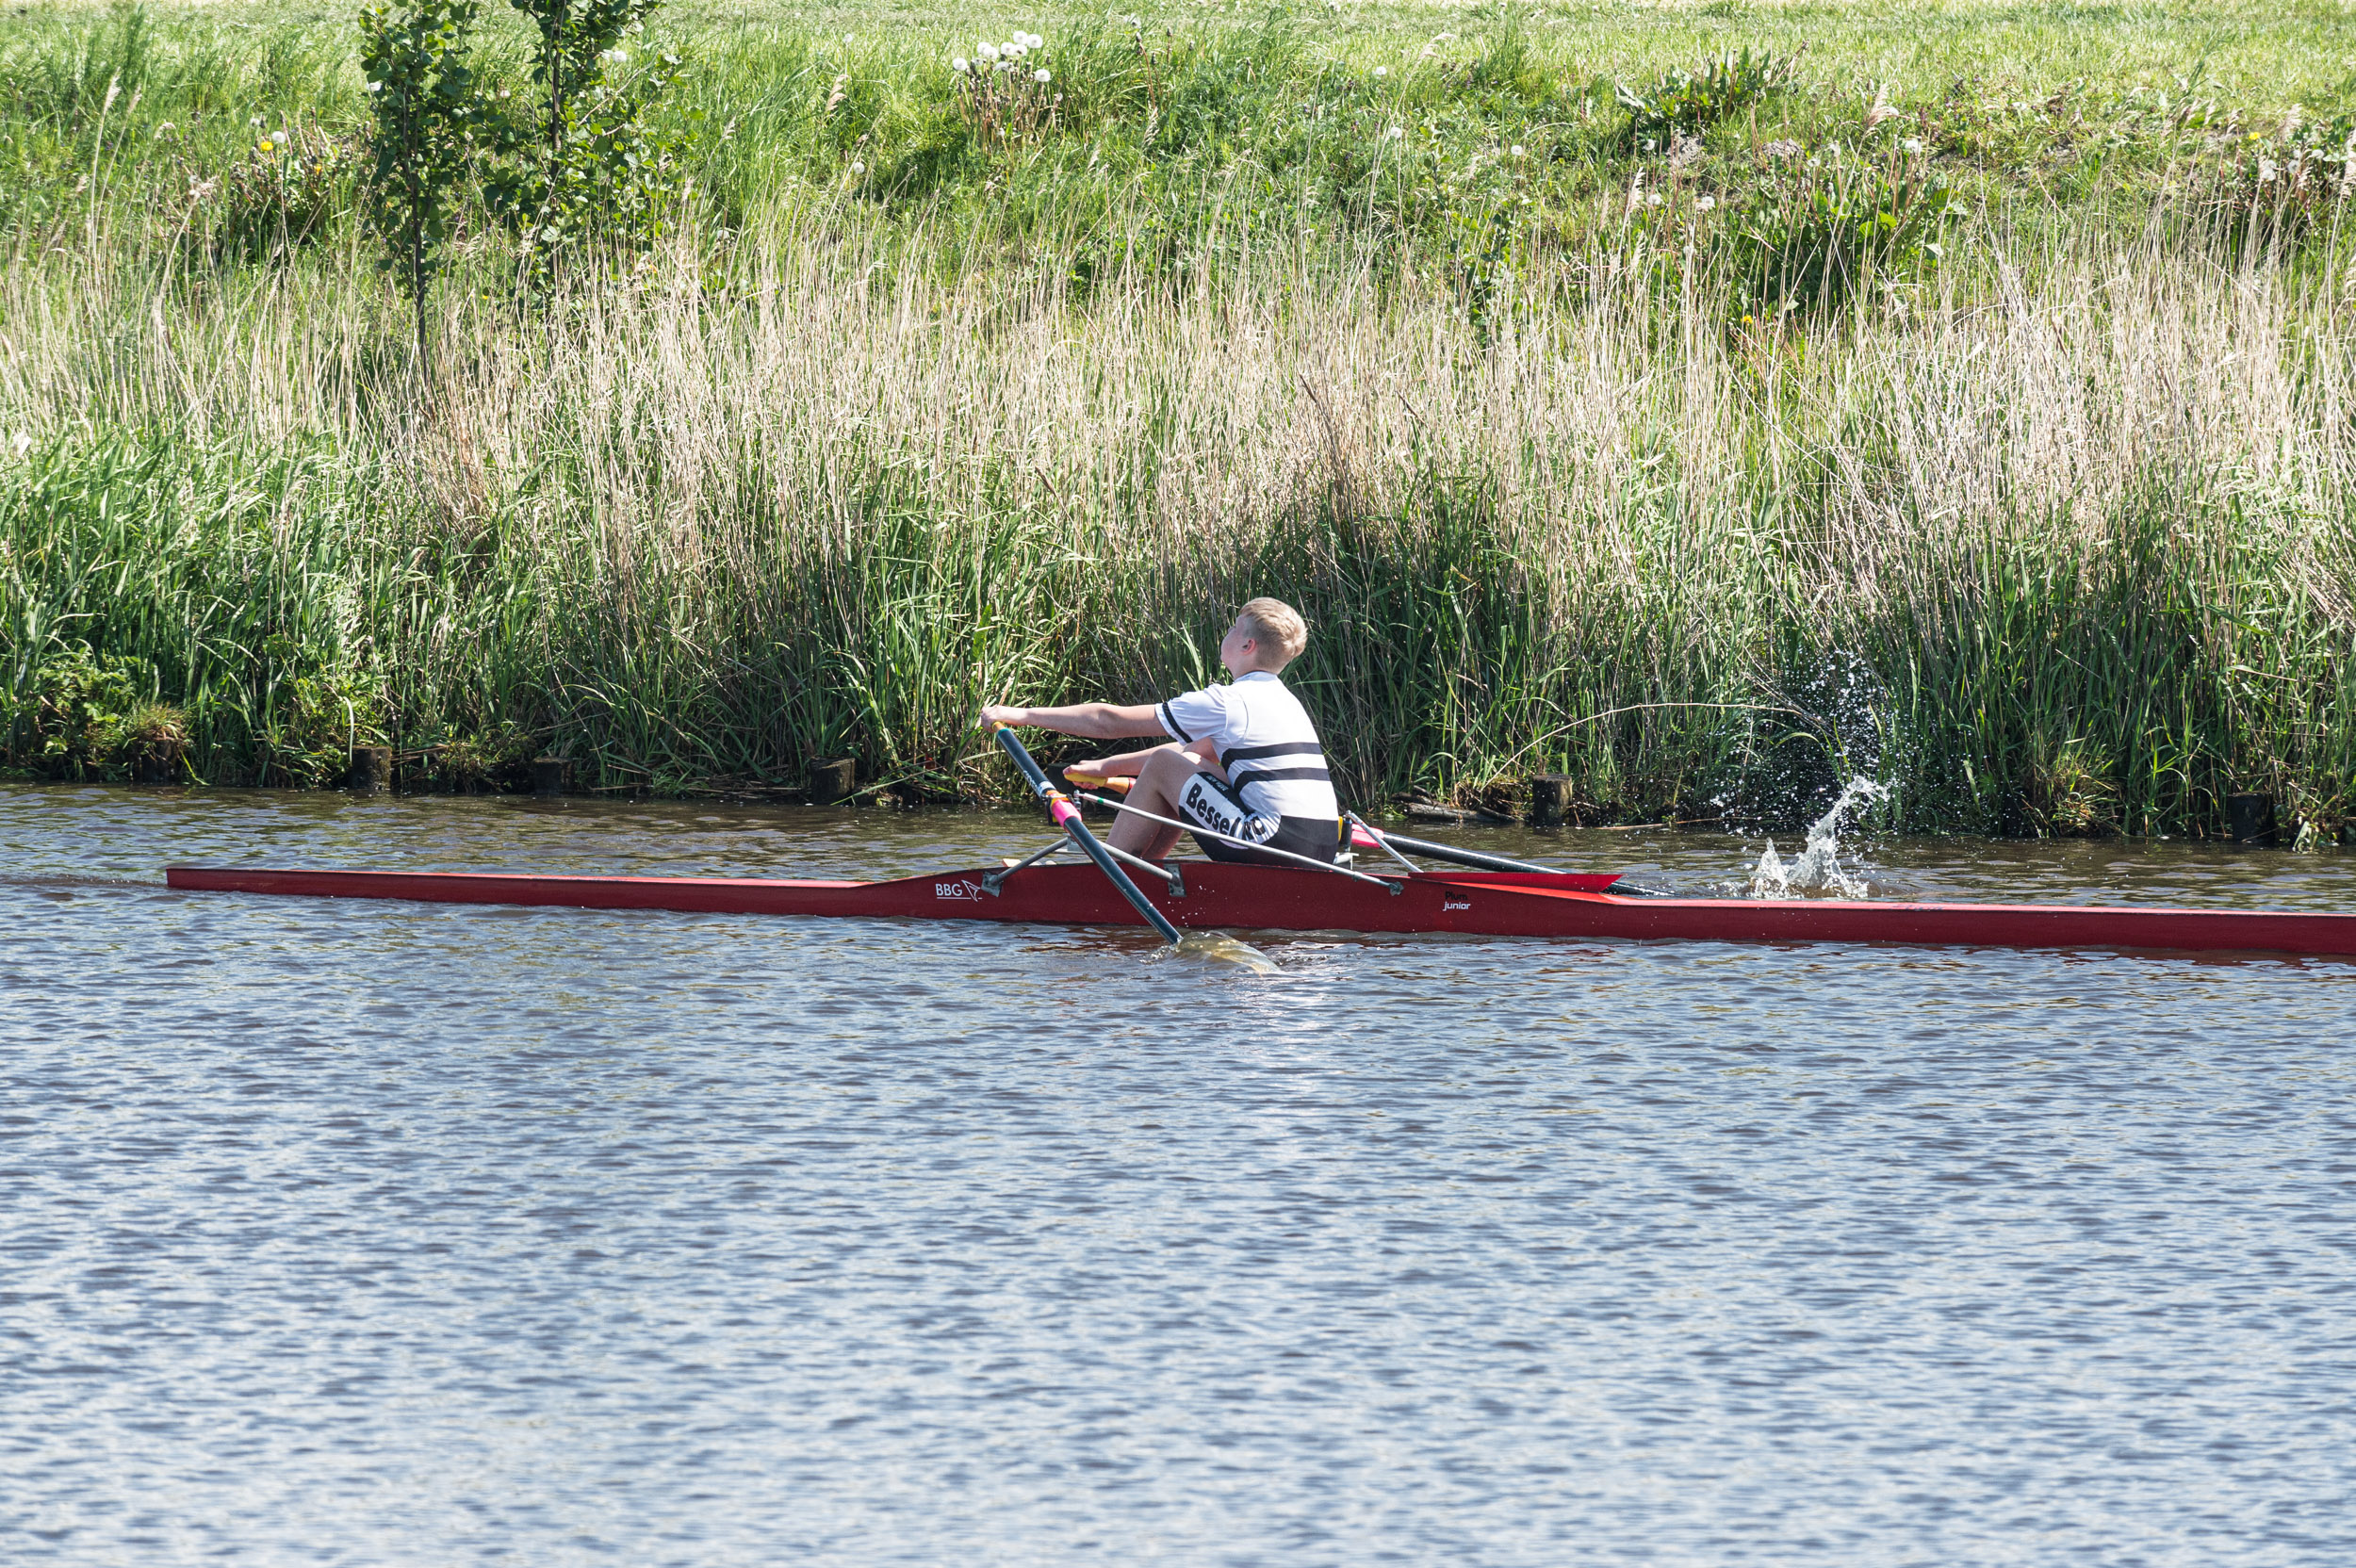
(1216, 947)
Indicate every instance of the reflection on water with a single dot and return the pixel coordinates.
(387, 1234)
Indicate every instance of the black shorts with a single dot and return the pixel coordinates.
(1209, 801)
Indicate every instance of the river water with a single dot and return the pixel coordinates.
(374, 1234)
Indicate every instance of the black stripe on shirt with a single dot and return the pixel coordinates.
(1169, 721)
(1290, 748)
(1269, 775)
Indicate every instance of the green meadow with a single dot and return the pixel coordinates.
(1709, 403)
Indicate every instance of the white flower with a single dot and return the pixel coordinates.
(846, 37)
(376, 86)
(1032, 40)
(1913, 144)
(1013, 49)
(1703, 204)
(858, 167)
(1039, 75)
(278, 138)
(1396, 132)
(987, 50)
(960, 64)
(2266, 170)
(1517, 151)
(1381, 70)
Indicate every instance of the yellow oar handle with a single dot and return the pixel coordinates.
(1118, 783)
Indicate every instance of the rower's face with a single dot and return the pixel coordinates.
(1237, 647)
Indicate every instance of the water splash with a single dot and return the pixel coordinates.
(1817, 867)
(1216, 947)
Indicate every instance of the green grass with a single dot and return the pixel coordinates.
(2049, 527)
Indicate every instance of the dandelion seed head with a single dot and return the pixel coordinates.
(1703, 204)
(1041, 76)
(858, 167)
(1381, 70)
(1396, 132)
(960, 64)
(1517, 149)
(987, 50)
(1914, 144)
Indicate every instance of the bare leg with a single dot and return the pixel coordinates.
(1159, 784)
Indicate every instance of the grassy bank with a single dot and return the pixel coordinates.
(2042, 514)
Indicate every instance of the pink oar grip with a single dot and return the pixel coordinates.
(1061, 809)
(1361, 839)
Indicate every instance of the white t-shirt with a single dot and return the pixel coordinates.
(1265, 742)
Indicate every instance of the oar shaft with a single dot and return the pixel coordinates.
(1460, 857)
(1390, 885)
(1068, 817)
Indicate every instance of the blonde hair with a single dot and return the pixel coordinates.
(1274, 624)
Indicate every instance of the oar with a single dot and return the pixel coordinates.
(1067, 816)
(1372, 837)
(1365, 837)
(1362, 834)
(1389, 885)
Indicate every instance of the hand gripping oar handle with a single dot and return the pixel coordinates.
(1067, 816)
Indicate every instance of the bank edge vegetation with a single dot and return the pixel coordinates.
(690, 399)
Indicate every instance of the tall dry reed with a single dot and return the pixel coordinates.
(2071, 551)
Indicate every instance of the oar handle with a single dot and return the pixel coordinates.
(1068, 817)
(1119, 784)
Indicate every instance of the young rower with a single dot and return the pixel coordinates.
(1242, 759)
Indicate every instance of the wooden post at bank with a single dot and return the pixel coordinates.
(832, 781)
(1549, 798)
(371, 770)
(548, 775)
(2250, 818)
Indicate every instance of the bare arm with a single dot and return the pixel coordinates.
(1097, 721)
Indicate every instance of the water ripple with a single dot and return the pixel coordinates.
(381, 1234)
